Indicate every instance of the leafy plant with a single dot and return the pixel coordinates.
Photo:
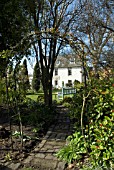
(8, 157)
(91, 168)
(97, 121)
(67, 100)
(16, 134)
(36, 78)
(34, 113)
(75, 149)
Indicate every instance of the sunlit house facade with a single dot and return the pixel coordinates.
(67, 70)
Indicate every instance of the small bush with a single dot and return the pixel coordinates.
(67, 100)
(34, 113)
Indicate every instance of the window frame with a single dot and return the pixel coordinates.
(56, 71)
(69, 71)
(56, 82)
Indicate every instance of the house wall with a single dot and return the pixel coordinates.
(64, 77)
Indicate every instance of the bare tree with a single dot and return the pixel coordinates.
(106, 20)
(90, 35)
(53, 21)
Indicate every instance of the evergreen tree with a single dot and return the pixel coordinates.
(36, 78)
(24, 75)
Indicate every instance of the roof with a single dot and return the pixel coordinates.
(67, 61)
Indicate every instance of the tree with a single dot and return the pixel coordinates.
(53, 25)
(106, 20)
(94, 42)
(14, 26)
(53, 20)
(36, 78)
(13, 23)
(100, 38)
(24, 74)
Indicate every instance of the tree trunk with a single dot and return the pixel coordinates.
(96, 62)
(47, 94)
(50, 92)
(47, 87)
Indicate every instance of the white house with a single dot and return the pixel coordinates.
(66, 71)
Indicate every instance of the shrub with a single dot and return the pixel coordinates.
(98, 129)
(34, 113)
(67, 100)
(36, 78)
(75, 149)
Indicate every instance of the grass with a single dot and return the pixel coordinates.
(35, 96)
(54, 96)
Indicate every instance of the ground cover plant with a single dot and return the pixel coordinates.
(92, 110)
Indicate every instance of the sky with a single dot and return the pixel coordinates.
(29, 66)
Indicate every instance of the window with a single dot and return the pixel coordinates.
(72, 60)
(69, 71)
(56, 82)
(56, 71)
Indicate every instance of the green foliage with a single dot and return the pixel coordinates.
(5, 55)
(98, 120)
(36, 78)
(32, 96)
(66, 104)
(38, 114)
(91, 168)
(12, 27)
(69, 84)
(15, 86)
(76, 107)
(8, 157)
(11, 88)
(77, 84)
(40, 98)
(66, 101)
(2, 91)
(101, 120)
(75, 149)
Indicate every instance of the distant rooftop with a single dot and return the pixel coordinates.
(67, 61)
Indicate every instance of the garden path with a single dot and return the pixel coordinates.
(43, 156)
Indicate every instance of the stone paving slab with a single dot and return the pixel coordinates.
(14, 166)
(47, 164)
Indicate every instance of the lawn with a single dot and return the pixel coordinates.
(35, 96)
